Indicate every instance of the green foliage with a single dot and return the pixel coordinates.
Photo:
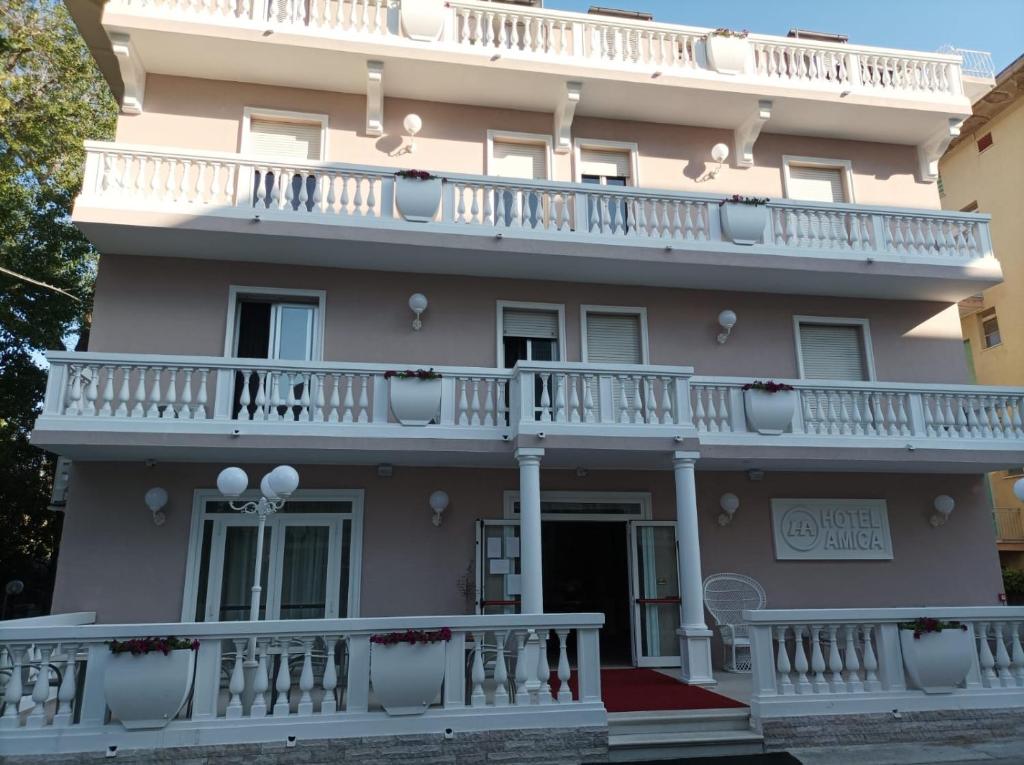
(52, 98)
(1013, 582)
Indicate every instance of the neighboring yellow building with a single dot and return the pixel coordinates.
(983, 170)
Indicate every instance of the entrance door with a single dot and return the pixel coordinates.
(655, 593)
(498, 588)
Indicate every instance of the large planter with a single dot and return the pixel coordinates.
(415, 401)
(743, 224)
(937, 662)
(769, 413)
(727, 55)
(148, 690)
(417, 200)
(422, 19)
(407, 677)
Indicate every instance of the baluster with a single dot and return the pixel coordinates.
(522, 673)
(543, 669)
(329, 682)
(574, 398)
(564, 691)
(1016, 654)
(590, 383)
(13, 691)
(803, 685)
(782, 665)
(364, 399)
(853, 683)
(668, 416)
(477, 698)
(236, 685)
(835, 660)
(545, 397)
(871, 681)
(154, 393)
(74, 392)
(140, 392)
(699, 415)
(985, 658)
(284, 679)
(349, 398)
(650, 402)
(40, 689)
(68, 689)
(712, 412)
(489, 420)
(638, 413)
(260, 682)
(306, 678)
(817, 660)
(1002, 657)
(501, 698)
(91, 390)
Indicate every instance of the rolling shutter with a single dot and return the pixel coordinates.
(292, 140)
(518, 322)
(833, 352)
(818, 184)
(520, 160)
(609, 164)
(614, 338)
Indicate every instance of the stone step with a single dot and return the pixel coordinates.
(678, 721)
(649, 747)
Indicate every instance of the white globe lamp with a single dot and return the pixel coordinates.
(412, 124)
(418, 304)
(284, 480)
(1018, 489)
(720, 153)
(438, 504)
(944, 505)
(729, 503)
(232, 482)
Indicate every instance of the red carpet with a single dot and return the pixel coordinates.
(644, 690)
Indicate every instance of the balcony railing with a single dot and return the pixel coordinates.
(1009, 524)
(197, 183)
(308, 678)
(205, 394)
(852, 660)
(540, 34)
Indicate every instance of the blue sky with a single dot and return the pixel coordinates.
(993, 25)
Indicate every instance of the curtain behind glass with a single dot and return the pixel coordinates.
(304, 572)
(239, 561)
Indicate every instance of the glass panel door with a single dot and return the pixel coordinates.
(655, 591)
(498, 583)
(304, 576)
(238, 559)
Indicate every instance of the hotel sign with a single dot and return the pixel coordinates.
(831, 529)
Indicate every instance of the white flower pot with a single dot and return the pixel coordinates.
(727, 55)
(769, 413)
(417, 200)
(414, 401)
(406, 678)
(422, 19)
(937, 662)
(148, 690)
(743, 224)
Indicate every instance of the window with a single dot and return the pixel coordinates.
(833, 349)
(529, 332)
(608, 167)
(817, 180)
(311, 557)
(283, 135)
(613, 335)
(518, 159)
(519, 155)
(990, 328)
(984, 142)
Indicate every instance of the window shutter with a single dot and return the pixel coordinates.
(817, 184)
(291, 140)
(520, 322)
(614, 338)
(520, 160)
(833, 352)
(604, 163)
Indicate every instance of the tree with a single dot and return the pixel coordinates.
(52, 98)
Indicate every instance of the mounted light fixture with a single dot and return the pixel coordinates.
(1018, 489)
(417, 304)
(412, 124)
(726, 320)
(438, 504)
(156, 501)
(729, 503)
(719, 153)
(943, 505)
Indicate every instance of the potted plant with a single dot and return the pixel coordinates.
(147, 680)
(415, 395)
(769, 405)
(744, 219)
(422, 19)
(727, 50)
(936, 654)
(407, 669)
(417, 194)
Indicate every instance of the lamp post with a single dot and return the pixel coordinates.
(275, 488)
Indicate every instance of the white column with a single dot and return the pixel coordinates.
(532, 579)
(694, 636)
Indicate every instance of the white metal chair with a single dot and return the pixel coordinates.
(727, 596)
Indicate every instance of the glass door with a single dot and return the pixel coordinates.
(498, 582)
(655, 593)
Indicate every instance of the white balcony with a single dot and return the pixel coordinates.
(116, 406)
(479, 52)
(144, 200)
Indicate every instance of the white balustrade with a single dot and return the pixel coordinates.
(302, 670)
(852, 661)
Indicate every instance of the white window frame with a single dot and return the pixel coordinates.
(236, 291)
(280, 115)
(510, 497)
(845, 167)
(602, 145)
(201, 497)
(500, 334)
(516, 137)
(865, 328)
(630, 310)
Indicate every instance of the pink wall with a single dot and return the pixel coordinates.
(114, 561)
(170, 306)
(207, 114)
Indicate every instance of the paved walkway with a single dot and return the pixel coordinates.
(994, 753)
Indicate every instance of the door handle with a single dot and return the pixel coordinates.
(658, 601)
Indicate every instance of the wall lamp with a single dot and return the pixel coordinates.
(412, 124)
(156, 501)
(1018, 489)
(943, 505)
(726, 320)
(719, 153)
(438, 504)
(729, 503)
(417, 304)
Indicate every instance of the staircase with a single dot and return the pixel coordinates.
(679, 734)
